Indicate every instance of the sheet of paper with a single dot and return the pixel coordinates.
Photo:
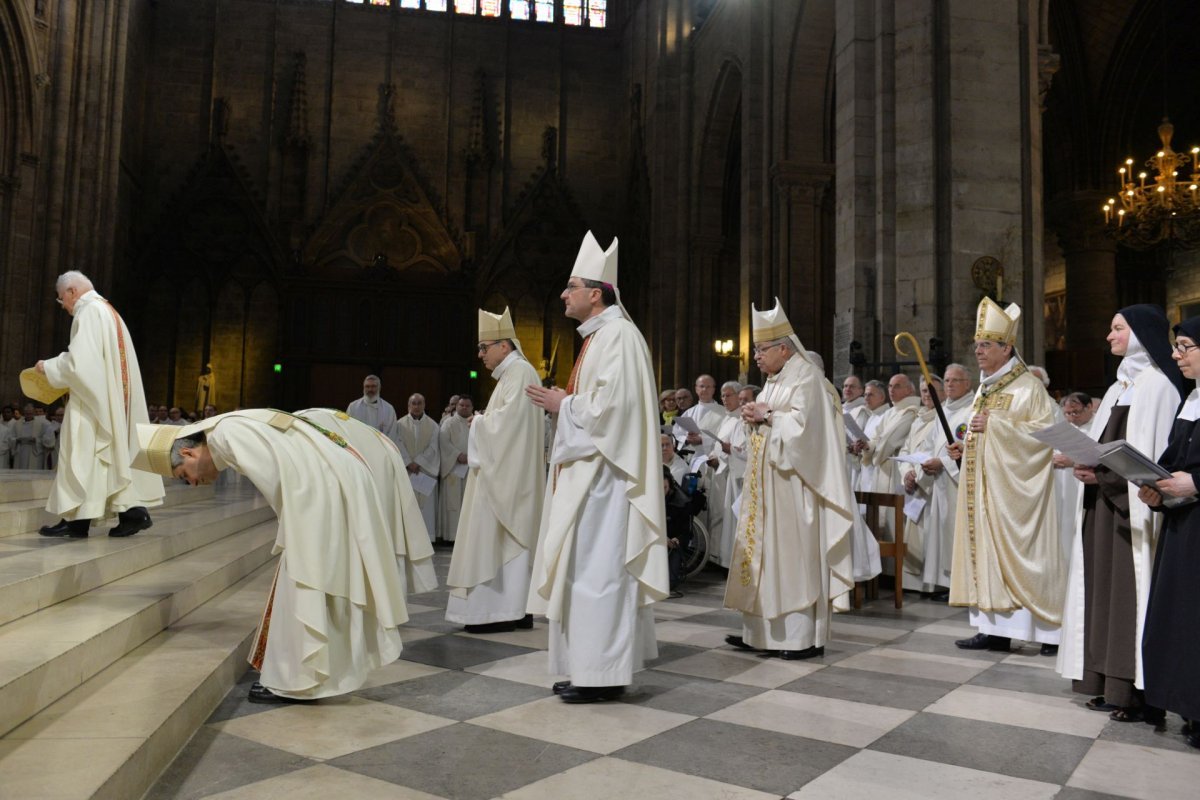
(913, 506)
(422, 483)
(460, 471)
(853, 432)
(1071, 442)
(697, 463)
(688, 424)
(917, 458)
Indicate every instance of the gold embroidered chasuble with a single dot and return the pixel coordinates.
(1007, 551)
(793, 538)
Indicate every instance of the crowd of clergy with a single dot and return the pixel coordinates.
(29, 436)
(555, 499)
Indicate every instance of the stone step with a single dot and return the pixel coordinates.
(47, 654)
(112, 736)
(17, 485)
(28, 514)
(37, 571)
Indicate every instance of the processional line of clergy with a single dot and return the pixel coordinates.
(577, 533)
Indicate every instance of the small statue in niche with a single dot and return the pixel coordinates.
(206, 389)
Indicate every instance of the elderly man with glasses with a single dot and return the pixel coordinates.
(98, 439)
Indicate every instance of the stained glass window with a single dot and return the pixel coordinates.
(518, 9)
(596, 12)
(491, 8)
(544, 9)
(465, 6)
(435, 5)
(380, 2)
(410, 3)
(573, 12)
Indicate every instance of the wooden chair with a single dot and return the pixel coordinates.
(877, 503)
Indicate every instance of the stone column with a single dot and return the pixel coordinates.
(800, 192)
(1091, 260)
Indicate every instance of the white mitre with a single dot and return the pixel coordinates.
(496, 327)
(596, 264)
(770, 326)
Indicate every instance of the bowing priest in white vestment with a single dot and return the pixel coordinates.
(602, 550)
(938, 479)
(1116, 537)
(417, 435)
(410, 542)
(338, 596)
(98, 438)
(792, 556)
(506, 484)
(371, 409)
(1008, 565)
(452, 450)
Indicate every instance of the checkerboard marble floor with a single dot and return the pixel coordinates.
(892, 710)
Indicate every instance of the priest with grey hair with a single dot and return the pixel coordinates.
(792, 555)
(371, 409)
(505, 486)
(98, 438)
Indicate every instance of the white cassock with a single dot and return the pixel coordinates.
(914, 528)
(98, 439)
(378, 413)
(792, 554)
(502, 507)
(6, 444)
(1153, 401)
(727, 487)
(886, 442)
(338, 596)
(52, 450)
(602, 552)
(856, 408)
(33, 438)
(866, 471)
(452, 442)
(410, 541)
(708, 416)
(936, 539)
(418, 443)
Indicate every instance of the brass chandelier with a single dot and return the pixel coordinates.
(1165, 210)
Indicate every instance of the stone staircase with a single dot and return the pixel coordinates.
(114, 651)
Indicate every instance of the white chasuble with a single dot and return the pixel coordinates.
(792, 554)
(502, 507)
(602, 556)
(410, 541)
(339, 593)
(418, 443)
(98, 439)
(452, 442)
(1008, 564)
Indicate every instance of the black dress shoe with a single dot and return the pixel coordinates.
(984, 641)
(492, 627)
(590, 694)
(76, 528)
(1049, 650)
(800, 655)
(736, 641)
(131, 521)
(261, 694)
(525, 623)
(560, 686)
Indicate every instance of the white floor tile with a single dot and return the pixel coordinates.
(824, 718)
(597, 727)
(1143, 772)
(613, 779)
(1041, 712)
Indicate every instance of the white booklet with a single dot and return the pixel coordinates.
(687, 423)
(1071, 442)
(853, 432)
(422, 483)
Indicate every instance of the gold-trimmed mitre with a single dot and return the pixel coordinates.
(997, 324)
(37, 386)
(495, 327)
(767, 326)
(594, 263)
(154, 448)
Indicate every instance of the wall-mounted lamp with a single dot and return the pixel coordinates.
(724, 348)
